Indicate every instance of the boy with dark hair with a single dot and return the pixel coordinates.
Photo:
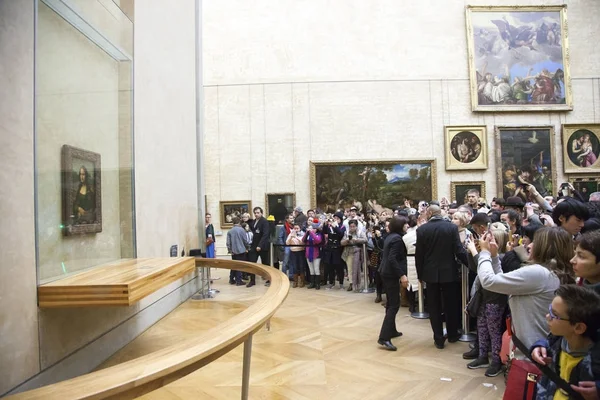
(586, 262)
(570, 215)
(574, 319)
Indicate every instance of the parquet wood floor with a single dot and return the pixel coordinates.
(322, 345)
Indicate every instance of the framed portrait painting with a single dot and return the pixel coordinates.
(466, 147)
(518, 58)
(279, 205)
(81, 191)
(585, 185)
(581, 148)
(459, 190)
(525, 155)
(371, 185)
(230, 209)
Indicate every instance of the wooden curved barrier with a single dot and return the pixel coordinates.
(150, 372)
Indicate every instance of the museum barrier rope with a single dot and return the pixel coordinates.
(142, 375)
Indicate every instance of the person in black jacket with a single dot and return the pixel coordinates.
(260, 242)
(438, 247)
(393, 271)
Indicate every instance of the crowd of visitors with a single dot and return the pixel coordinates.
(535, 262)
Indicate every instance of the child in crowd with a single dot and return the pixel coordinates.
(574, 319)
(296, 262)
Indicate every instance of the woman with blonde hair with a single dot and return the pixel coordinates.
(530, 288)
(461, 220)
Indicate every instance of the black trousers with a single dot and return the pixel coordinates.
(392, 305)
(333, 270)
(378, 283)
(237, 275)
(444, 298)
(253, 257)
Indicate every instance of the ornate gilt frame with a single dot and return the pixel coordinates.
(497, 133)
(225, 224)
(453, 185)
(579, 178)
(481, 162)
(314, 164)
(562, 9)
(569, 166)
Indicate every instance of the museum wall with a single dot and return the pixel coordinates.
(70, 342)
(19, 347)
(292, 82)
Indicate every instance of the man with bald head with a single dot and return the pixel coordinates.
(438, 247)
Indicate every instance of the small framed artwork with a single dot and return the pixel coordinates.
(519, 58)
(525, 155)
(466, 147)
(230, 209)
(581, 148)
(585, 185)
(459, 190)
(81, 191)
(279, 205)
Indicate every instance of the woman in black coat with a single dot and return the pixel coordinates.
(393, 271)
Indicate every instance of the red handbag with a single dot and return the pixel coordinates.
(523, 377)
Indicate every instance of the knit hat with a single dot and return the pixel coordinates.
(340, 215)
(298, 209)
(315, 223)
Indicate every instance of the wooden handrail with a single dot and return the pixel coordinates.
(150, 372)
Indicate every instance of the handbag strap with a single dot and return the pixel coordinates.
(554, 377)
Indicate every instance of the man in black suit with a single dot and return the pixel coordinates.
(260, 241)
(438, 247)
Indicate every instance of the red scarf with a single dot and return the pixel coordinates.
(288, 228)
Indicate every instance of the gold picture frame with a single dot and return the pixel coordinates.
(287, 199)
(522, 150)
(371, 184)
(228, 209)
(581, 148)
(466, 147)
(591, 184)
(519, 58)
(460, 189)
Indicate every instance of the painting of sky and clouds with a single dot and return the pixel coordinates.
(518, 59)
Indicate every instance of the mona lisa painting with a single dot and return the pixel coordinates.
(81, 191)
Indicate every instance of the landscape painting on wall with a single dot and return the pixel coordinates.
(81, 191)
(525, 155)
(518, 58)
(371, 185)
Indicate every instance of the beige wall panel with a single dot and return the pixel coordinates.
(255, 158)
(335, 40)
(234, 142)
(301, 143)
(212, 152)
(19, 348)
(279, 133)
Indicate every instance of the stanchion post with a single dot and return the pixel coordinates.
(246, 368)
(467, 336)
(420, 314)
(200, 295)
(366, 288)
